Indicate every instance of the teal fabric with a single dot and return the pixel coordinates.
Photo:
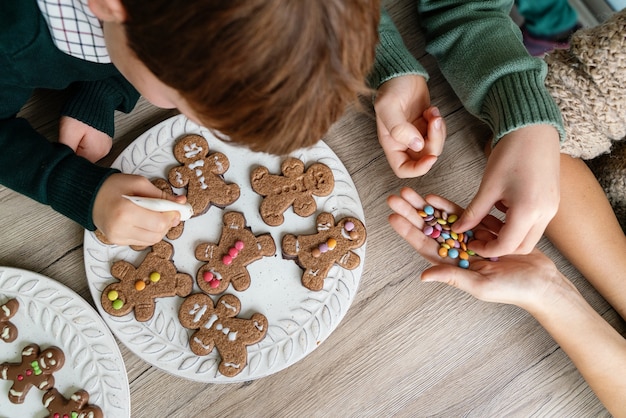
(547, 18)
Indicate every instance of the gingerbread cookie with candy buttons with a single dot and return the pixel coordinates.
(218, 327)
(201, 173)
(295, 187)
(8, 330)
(35, 370)
(137, 289)
(77, 406)
(332, 244)
(226, 262)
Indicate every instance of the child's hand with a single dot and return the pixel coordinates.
(410, 131)
(522, 180)
(522, 280)
(86, 141)
(125, 223)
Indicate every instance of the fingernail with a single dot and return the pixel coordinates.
(438, 124)
(416, 144)
(435, 111)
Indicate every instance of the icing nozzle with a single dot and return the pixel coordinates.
(162, 205)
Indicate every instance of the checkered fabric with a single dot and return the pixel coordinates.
(74, 29)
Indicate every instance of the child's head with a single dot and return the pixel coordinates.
(271, 74)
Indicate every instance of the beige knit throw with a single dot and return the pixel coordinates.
(588, 83)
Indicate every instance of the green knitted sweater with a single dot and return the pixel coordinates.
(505, 90)
(480, 52)
(46, 171)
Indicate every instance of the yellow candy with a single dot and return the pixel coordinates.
(452, 218)
(112, 295)
(155, 277)
(332, 243)
(140, 285)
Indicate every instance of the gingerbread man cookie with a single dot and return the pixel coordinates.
(217, 326)
(36, 369)
(294, 187)
(8, 330)
(332, 244)
(226, 262)
(137, 289)
(201, 173)
(174, 232)
(77, 406)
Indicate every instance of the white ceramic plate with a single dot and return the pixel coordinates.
(50, 314)
(299, 319)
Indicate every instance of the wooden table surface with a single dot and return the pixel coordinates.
(404, 348)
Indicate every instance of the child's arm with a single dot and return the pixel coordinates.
(87, 123)
(410, 131)
(479, 50)
(533, 283)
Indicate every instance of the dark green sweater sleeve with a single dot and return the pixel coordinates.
(392, 57)
(95, 102)
(480, 52)
(48, 172)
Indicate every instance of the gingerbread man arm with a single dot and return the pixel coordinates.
(179, 176)
(220, 163)
(8, 331)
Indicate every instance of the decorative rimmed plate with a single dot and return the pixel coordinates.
(51, 314)
(299, 319)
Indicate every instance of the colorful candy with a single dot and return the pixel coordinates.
(438, 225)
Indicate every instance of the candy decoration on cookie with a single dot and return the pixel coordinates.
(77, 406)
(294, 187)
(226, 262)
(35, 370)
(201, 173)
(218, 327)
(332, 244)
(438, 225)
(137, 289)
(8, 330)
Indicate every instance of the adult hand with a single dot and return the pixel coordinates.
(125, 223)
(410, 131)
(522, 280)
(86, 141)
(522, 180)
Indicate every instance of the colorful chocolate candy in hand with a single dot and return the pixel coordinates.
(438, 225)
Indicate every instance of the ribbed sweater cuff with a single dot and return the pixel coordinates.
(517, 100)
(94, 103)
(73, 187)
(392, 61)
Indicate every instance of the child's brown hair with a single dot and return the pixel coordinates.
(270, 74)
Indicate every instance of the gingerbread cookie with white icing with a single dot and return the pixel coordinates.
(77, 406)
(218, 327)
(8, 330)
(226, 261)
(294, 187)
(35, 370)
(201, 172)
(156, 277)
(332, 244)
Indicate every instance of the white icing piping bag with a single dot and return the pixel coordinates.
(162, 205)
